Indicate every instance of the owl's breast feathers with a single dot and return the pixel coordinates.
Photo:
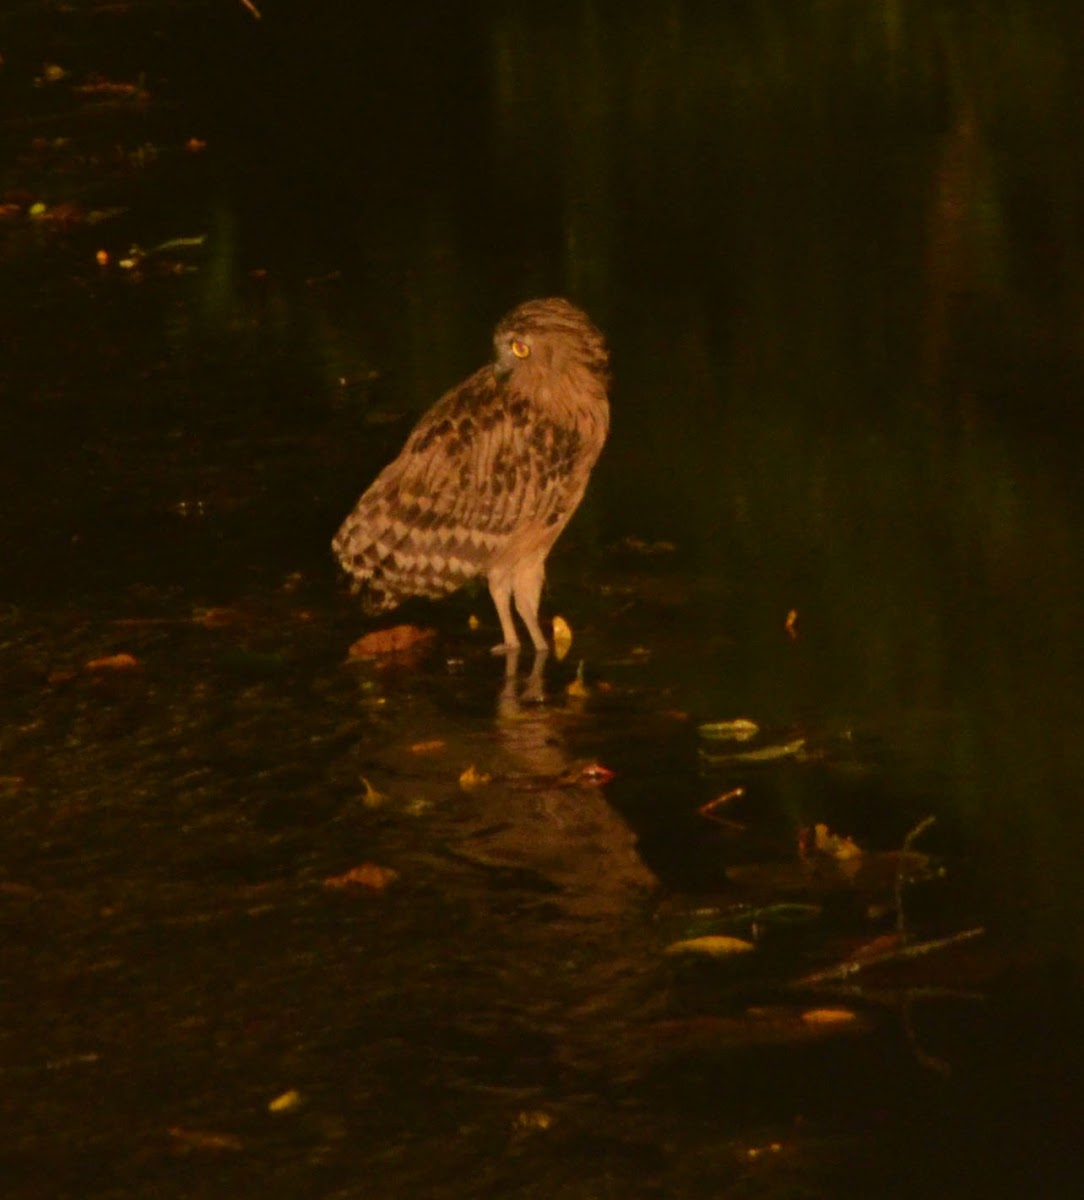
(490, 475)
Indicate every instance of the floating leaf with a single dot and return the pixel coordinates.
(759, 755)
(367, 875)
(113, 662)
(428, 747)
(562, 637)
(473, 624)
(286, 1102)
(472, 778)
(713, 945)
(791, 624)
(741, 729)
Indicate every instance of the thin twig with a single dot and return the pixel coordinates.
(920, 828)
(845, 970)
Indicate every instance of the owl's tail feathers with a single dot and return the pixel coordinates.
(385, 570)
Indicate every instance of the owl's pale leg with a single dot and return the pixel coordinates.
(500, 588)
(527, 590)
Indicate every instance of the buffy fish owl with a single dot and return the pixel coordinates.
(490, 475)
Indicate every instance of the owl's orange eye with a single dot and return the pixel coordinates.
(520, 349)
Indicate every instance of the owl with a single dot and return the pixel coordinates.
(490, 475)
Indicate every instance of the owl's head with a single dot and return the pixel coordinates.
(544, 336)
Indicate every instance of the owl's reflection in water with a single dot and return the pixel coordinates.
(540, 820)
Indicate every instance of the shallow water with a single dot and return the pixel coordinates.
(835, 254)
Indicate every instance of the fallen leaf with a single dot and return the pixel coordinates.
(532, 1121)
(562, 637)
(741, 729)
(213, 618)
(371, 798)
(198, 1139)
(760, 754)
(368, 875)
(713, 945)
(286, 1102)
(473, 778)
(823, 841)
(577, 687)
(829, 1016)
(429, 747)
(399, 640)
(594, 774)
(113, 662)
(473, 624)
(791, 624)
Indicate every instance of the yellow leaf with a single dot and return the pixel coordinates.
(472, 778)
(562, 637)
(577, 687)
(713, 945)
(741, 729)
(828, 1016)
(286, 1102)
(473, 624)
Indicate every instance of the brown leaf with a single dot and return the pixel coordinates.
(405, 641)
(113, 662)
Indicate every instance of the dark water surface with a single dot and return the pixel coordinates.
(838, 252)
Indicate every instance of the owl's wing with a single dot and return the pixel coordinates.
(484, 476)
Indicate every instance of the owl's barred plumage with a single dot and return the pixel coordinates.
(491, 474)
